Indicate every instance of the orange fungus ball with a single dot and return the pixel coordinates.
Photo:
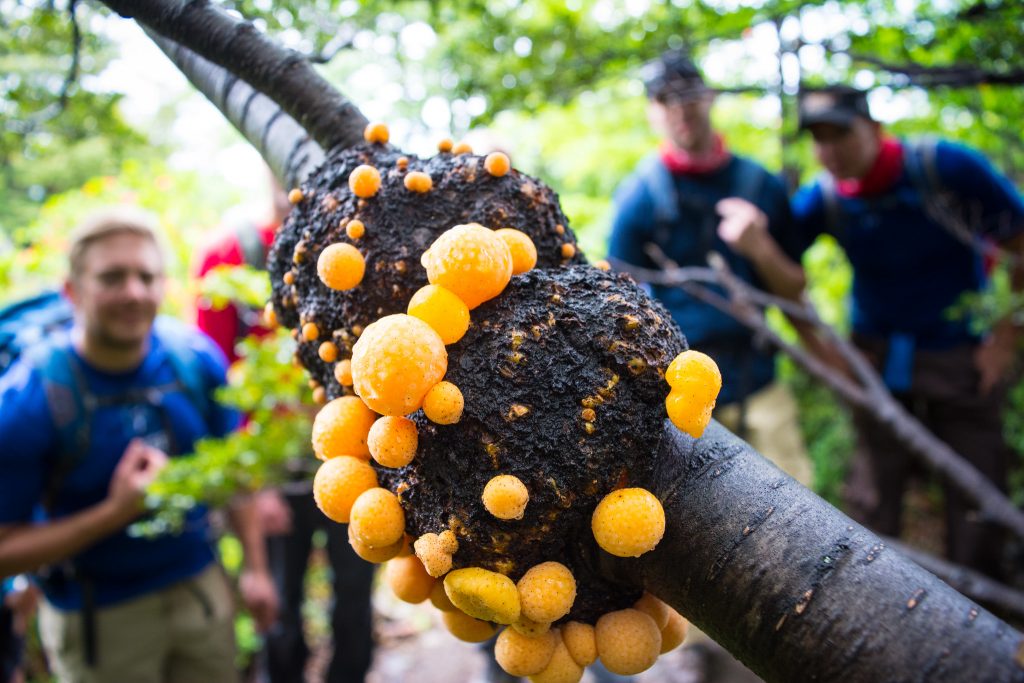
(376, 132)
(341, 266)
(364, 181)
(524, 253)
(377, 518)
(392, 441)
(337, 484)
(443, 404)
(341, 428)
(355, 229)
(442, 310)
(395, 362)
(471, 261)
(497, 164)
(695, 381)
(628, 522)
(418, 181)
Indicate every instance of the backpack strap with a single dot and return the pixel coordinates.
(750, 178)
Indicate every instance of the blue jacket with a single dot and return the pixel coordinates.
(915, 249)
(678, 214)
(120, 567)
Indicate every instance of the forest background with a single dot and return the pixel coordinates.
(91, 114)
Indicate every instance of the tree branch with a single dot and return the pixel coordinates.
(282, 142)
(870, 395)
(282, 75)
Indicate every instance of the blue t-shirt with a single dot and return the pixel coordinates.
(687, 241)
(909, 268)
(120, 567)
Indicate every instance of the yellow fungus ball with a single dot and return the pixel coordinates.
(289, 278)
(392, 441)
(655, 609)
(524, 253)
(462, 148)
(568, 250)
(435, 552)
(443, 404)
(445, 145)
(529, 627)
(337, 484)
(628, 522)
(408, 580)
(341, 266)
(402, 162)
(418, 181)
(497, 164)
(319, 396)
(505, 496)
(395, 362)
(467, 628)
(376, 132)
(696, 373)
(270, 315)
(375, 555)
(628, 641)
(603, 265)
(579, 639)
(295, 195)
(688, 415)
(377, 518)
(521, 655)
(343, 372)
(471, 261)
(439, 599)
(674, 633)
(442, 310)
(355, 229)
(483, 594)
(341, 428)
(546, 592)
(364, 181)
(328, 352)
(310, 332)
(562, 668)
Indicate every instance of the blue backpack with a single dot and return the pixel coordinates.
(38, 328)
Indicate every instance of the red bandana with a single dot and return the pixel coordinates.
(680, 162)
(882, 175)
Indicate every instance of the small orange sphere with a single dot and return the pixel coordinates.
(270, 315)
(341, 266)
(418, 181)
(471, 261)
(364, 181)
(310, 332)
(343, 372)
(337, 484)
(295, 195)
(524, 253)
(355, 229)
(497, 164)
(442, 310)
(328, 352)
(445, 145)
(376, 131)
(568, 250)
(377, 518)
(443, 404)
(462, 148)
(289, 277)
(341, 428)
(393, 440)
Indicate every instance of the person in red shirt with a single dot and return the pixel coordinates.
(290, 518)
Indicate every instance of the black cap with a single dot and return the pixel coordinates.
(838, 105)
(673, 76)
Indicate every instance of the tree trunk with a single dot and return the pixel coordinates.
(280, 140)
(796, 590)
(285, 76)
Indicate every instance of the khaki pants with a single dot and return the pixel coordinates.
(181, 634)
(772, 429)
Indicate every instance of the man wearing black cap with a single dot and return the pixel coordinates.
(691, 198)
(920, 223)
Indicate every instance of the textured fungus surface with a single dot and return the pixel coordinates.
(399, 226)
(562, 374)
